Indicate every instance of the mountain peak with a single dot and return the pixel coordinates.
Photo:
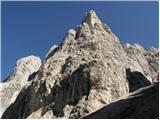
(91, 18)
(87, 71)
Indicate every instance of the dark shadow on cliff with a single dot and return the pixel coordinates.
(136, 80)
(141, 104)
(18, 109)
(32, 76)
(72, 88)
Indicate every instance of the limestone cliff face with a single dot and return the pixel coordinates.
(88, 70)
(13, 85)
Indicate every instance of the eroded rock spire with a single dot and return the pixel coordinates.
(91, 18)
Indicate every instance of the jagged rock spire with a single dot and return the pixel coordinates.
(91, 18)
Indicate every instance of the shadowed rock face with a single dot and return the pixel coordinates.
(141, 104)
(86, 72)
(136, 80)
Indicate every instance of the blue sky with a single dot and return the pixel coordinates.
(30, 28)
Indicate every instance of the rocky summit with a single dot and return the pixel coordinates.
(19, 78)
(90, 69)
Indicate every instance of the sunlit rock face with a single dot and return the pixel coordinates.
(12, 86)
(84, 73)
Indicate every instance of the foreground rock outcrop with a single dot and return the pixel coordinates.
(142, 103)
(12, 86)
(89, 70)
